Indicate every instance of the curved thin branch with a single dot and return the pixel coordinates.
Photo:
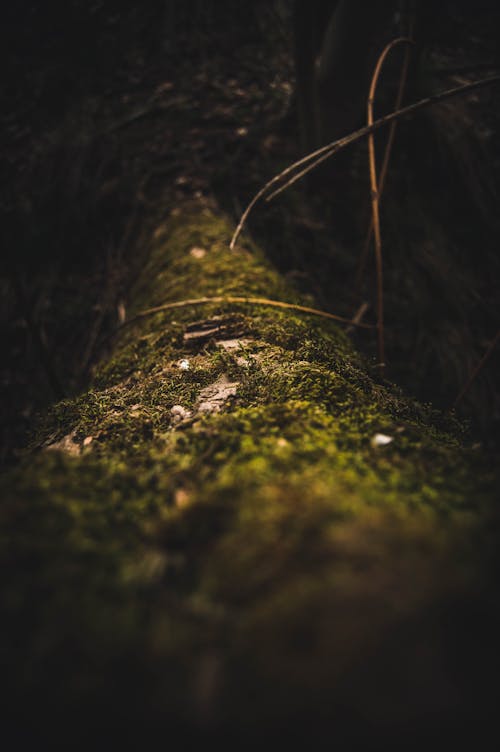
(390, 138)
(325, 152)
(399, 100)
(241, 299)
(375, 197)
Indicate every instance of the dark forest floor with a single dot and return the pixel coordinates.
(109, 122)
(93, 149)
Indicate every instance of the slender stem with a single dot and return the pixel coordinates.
(375, 198)
(390, 139)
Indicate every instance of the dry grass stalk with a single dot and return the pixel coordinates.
(375, 197)
(315, 158)
(390, 139)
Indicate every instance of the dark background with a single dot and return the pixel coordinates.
(112, 112)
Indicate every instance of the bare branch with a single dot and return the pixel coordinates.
(241, 299)
(375, 196)
(390, 139)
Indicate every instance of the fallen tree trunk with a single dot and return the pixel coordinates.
(237, 529)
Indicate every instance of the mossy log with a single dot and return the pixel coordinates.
(217, 537)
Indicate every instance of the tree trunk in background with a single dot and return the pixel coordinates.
(237, 530)
(310, 20)
(336, 47)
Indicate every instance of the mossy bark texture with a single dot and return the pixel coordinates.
(236, 529)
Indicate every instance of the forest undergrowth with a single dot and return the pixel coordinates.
(115, 115)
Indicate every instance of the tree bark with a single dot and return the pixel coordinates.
(237, 530)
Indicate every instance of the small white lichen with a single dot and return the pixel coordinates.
(179, 413)
(380, 440)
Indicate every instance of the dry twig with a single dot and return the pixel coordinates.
(241, 299)
(390, 139)
(311, 161)
(375, 196)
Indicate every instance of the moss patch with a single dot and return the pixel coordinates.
(235, 566)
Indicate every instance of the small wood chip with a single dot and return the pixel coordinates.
(380, 440)
(197, 253)
(67, 445)
(212, 397)
(181, 498)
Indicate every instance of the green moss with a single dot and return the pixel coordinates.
(272, 534)
(173, 273)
